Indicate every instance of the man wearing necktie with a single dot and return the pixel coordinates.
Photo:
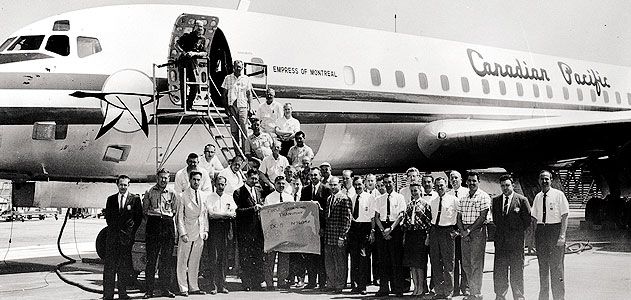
(192, 226)
(511, 215)
(358, 237)
(389, 209)
(444, 208)
(460, 277)
(427, 194)
(551, 209)
(277, 196)
(335, 236)
(123, 214)
(249, 232)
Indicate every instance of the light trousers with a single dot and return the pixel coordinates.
(188, 257)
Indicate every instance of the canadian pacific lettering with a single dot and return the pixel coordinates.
(519, 70)
(590, 78)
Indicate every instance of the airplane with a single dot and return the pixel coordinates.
(76, 106)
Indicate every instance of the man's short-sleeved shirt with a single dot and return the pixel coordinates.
(397, 206)
(182, 183)
(460, 192)
(556, 206)
(296, 154)
(290, 124)
(427, 197)
(268, 114)
(261, 145)
(448, 209)
(213, 167)
(275, 198)
(220, 204)
(233, 181)
(365, 210)
(471, 206)
(274, 167)
(237, 89)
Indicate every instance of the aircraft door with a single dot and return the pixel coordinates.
(208, 71)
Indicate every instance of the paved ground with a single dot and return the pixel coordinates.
(27, 269)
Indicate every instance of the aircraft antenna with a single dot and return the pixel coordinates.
(395, 22)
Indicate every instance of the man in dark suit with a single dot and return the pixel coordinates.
(318, 192)
(123, 214)
(249, 231)
(511, 215)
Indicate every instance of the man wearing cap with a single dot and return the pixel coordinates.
(237, 95)
(269, 112)
(325, 169)
(192, 45)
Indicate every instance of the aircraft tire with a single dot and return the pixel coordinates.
(101, 240)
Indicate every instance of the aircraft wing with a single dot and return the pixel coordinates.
(473, 143)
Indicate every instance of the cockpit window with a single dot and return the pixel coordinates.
(7, 43)
(27, 42)
(87, 46)
(59, 44)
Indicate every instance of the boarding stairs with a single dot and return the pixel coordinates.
(579, 186)
(215, 119)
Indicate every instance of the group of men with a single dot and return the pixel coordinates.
(359, 217)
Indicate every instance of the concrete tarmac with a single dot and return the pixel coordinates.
(27, 266)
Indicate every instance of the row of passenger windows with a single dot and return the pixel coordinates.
(59, 44)
(375, 76)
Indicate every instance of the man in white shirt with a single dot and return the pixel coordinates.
(259, 143)
(275, 164)
(444, 209)
(371, 185)
(237, 94)
(460, 277)
(221, 213)
(299, 151)
(277, 196)
(428, 193)
(182, 176)
(286, 128)
(412, 176)
(233, 175)
(192, 226)
(389, 209)
(210, 162)
(269, 112)
(347, 183)
(359, 246)
(551, 209)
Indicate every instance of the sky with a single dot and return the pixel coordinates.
(579, 29)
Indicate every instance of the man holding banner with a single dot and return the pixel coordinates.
(276, 197)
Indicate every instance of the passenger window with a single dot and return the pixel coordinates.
(579, 93)
(606, 96)
(375, 77)
(485, 86)
(593, 93)
(87, 46)
(444, 82)
(59, 44)
(349, 75)
(6, 43)
(465, 84)
(27, 42)
(535, 90)
(549, 91)
(566, 93)
(520, 89)
(422, 80)
(618, 99)
(502, 87)
(629, 98)
(400, 77)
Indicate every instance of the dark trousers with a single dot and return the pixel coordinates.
(117, 262)
(284, 148)
(393, 274)
(460, 277)
(360, 254)
(160, 240)
(336, 264)
(550, 257)
(251, 257)
(218, 252)
(297, 267)
(315, 267)
(442, 253)
(374, 255)
(505, 261)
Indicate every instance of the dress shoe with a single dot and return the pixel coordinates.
(183, 294)
(382, 294)
(147, 295)
(363, 292)
(309, 287)
(335, 291)
(213, 292)
(247, 289)
(198, 292)
(223, 290)
(270, 288)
